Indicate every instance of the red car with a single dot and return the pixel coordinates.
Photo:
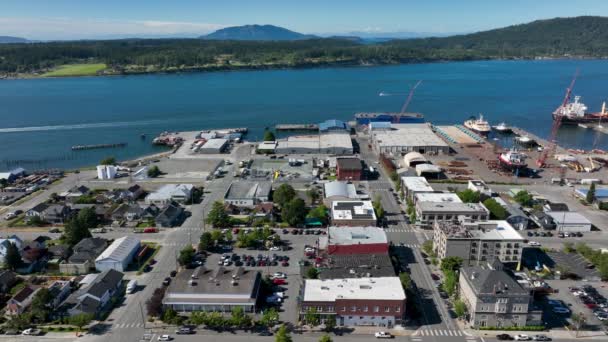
(278, 281)
(150, 230)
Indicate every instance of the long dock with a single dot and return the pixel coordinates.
(297, 127)
(97, 146)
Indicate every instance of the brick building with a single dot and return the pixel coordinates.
(354, 240)
(349, 169)
(355, 301)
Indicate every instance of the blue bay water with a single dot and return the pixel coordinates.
(40, 119)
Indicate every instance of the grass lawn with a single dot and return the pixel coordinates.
(76, 70)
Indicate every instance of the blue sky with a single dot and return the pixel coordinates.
(75, 19)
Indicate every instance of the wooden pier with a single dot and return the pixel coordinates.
(297, 127)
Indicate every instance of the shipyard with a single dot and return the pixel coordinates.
(361, 203)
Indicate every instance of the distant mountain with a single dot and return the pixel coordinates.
(12, 40)
(256, 32)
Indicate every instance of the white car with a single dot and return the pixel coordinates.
(274, 248)
(279, 294)
(279, 275)
(534, 243)
(164, 338)
(522, 337)
(10, 216)
(383, 334)
(31, 332)
(309, 249)
(561, 310)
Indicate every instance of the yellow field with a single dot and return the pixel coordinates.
(76, 70)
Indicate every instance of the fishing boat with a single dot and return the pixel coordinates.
(479, 126)
(503, 128)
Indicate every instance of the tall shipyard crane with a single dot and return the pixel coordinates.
(557, 121)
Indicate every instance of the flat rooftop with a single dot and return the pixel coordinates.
(417, 184)
(357, 266)
(353, 210)
(438, 197)
(456, 207)
(408, 135)
(202, 286)
(486, 230)
(248, 190)
(568, 217)
(328, 290)
(356, 235)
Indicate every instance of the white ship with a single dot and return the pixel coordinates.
(513, 159)
(479, 126)
(503, 128)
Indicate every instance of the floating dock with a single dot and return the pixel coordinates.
(297, 127)
(97, 146)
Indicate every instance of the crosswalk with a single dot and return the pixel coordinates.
(127, 325)
(398, 230)
(438, 332)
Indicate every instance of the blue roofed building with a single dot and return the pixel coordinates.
(601, 194)
(333, 126)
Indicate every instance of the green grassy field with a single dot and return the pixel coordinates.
(76, 70)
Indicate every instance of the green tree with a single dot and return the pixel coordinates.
(312, 317)
(283, 194)
(524, 198)
(427, 247)
(569, 247)
(205, 242)
(270, 317)
(154, 171)
(313, 195)
(198, 318)
(80, 320)
(319, 213)
(228, 236)
(496, 210)
(154, 305)
(330, 323)
(469, 196)
(239, 319)
(19, 322)
(325, 338)
(312, 273)
(406, 280)
(450, 282)
(378, 208)
(294, 212)
(269, 136)
(282, 335)
(77, 228)
(40, 307)
(217, 236)
(460, 309)
(12, 260)
(36, 221)
(186, 255)
(218, 217)
(451, 264)
(88, 218)
(108, 161)
(590, 197)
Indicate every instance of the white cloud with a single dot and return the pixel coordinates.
(68, 28)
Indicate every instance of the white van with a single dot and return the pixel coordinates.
(131, 286)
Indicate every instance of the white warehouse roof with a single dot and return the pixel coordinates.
(417, 184)
(120, 249)
(340, 189)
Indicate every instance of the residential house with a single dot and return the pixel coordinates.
(170, 216)
(263, 210)
(180, 193)
(94, 297)
(21, 301)
(83, 258)
(134, 192)
(543, 220)
(4, 243)
(494, 299)
(516, 217)
(101, 212)
(59, 291)
(127, 212)
(560, 207)
(33, 257)
(118, 255)
(7, 280)
(37, 210)
(51, 213)
(76, 192)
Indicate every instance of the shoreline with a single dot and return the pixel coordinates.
(304, 66)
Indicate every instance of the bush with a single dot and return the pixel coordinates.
(526, 328)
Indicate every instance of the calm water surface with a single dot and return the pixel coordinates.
(41, 119)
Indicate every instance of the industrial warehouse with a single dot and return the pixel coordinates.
(403, 138)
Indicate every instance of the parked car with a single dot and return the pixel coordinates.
(534, 244)
(279, 275)
(164, 338)
(150, 230)
(541, 338)
(522, 337)
(279, 281)
(167, 281)
(173, 273)
(185, 330)
(383, 334)
(31, 332)
(504, 337)
(561, 310)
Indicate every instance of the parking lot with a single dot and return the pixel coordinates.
(576, 304)
(295, 252)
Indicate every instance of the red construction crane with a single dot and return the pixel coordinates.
(557, 121)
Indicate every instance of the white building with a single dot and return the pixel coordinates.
(409, 138)
(118, 255)
(213, 146)
(570, 221)
(247, 194)
(331, 143)
(429, 212)
(414, 185)
(168, 193)
(106, 171)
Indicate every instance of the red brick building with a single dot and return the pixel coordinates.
(355, 301)
(349, 169)
(356, 240)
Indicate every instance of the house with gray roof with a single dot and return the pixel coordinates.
(247, 194)
(170, 216)
(94, 297)
(84, 254)
(494, 299)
